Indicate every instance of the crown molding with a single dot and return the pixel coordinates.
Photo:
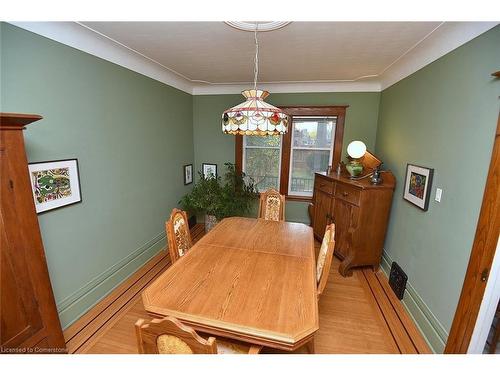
(444, 39)
(447, 37)
(289, 87)
(84, 39)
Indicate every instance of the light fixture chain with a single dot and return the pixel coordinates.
(256, 68)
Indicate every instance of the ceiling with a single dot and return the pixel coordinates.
(213, 52)
(206, 58)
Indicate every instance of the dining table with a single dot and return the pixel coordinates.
(252, 280)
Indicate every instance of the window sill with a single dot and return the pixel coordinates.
(298, 198)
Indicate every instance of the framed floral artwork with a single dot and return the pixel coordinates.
(55, 184)
(418, 183)
(188, 174)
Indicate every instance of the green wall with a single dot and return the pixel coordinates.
(443, 117)
(131, 135)
(211, 146)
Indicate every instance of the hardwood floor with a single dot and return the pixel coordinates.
(357, 315)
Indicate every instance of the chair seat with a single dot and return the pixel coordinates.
(225, 346)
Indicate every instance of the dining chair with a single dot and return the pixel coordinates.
(170, 336)
(178, 235)
(325, 257)
(272, 205)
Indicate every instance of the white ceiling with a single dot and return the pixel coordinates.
(213, 52)
(213, 58)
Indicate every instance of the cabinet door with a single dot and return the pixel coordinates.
(344, 216)
(322, 207)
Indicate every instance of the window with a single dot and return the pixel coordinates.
(311, 151)
(262, 159)
(288, 163)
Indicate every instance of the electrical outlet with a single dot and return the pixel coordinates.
(439, 193)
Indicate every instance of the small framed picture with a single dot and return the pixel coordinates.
(418, 184)
(55, 184)
(188, 174)
(209, 170)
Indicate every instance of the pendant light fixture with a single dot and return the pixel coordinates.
(254, 116)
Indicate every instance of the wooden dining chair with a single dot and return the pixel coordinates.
(178, 235)
(170, 336)
(325, 258)
(272, 205)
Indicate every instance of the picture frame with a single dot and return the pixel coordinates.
(418, 185)
(55, 184)
(209, 169)
(188, 174)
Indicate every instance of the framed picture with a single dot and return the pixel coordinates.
(209, 170)
(418, 183)
(188, 174)
(55, 184)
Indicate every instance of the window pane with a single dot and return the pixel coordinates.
(263, 166)
(268, 141)
(313, 133)
(304, 164)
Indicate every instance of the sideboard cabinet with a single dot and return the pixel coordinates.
(360, 212)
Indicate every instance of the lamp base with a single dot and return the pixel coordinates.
(354, 167)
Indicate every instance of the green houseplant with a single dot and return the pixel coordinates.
(218, 197)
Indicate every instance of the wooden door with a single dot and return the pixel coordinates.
(322, 209)
(481, 258)
(29, 320)
(342, 216)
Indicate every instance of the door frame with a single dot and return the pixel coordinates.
(481, 259)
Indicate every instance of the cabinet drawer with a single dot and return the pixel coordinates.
(348, 193)
(324, 185)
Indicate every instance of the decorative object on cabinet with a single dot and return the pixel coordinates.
(30, 323)
(209, 170)
(55, 184)
(188, 174)
(360, 212)
(356, 150)
(418, 183)
(376, 179)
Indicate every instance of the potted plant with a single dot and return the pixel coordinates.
(218, 197)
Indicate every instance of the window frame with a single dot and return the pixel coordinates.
(286, 142)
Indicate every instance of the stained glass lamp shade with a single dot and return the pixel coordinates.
(254, 116)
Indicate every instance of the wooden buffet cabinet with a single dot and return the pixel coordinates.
(28, 314)
(360, 212)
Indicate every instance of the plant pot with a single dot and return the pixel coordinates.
(210, 222)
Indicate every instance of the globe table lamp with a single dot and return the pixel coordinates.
(356, 150)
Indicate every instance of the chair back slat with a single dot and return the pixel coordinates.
(178, 235)
(272, 205)
(170, 336)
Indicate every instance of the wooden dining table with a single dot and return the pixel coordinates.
(247, 279)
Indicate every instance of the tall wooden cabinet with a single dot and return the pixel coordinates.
(29, 319)
(360, 212)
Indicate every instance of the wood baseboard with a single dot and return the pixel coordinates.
(406, 334)
(88, 328)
